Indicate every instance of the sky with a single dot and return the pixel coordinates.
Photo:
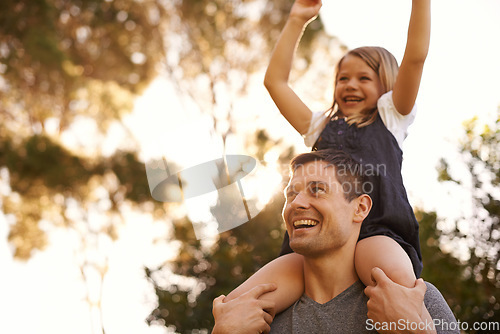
(460, 80)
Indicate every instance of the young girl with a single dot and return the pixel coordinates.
(372, 109)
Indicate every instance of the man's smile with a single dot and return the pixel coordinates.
(304, 223)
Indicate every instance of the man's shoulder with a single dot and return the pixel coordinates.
(439, 310)
(434, 298)
(282, 322)
(432, 293)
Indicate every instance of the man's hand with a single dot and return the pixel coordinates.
(391, 303)
(246, 314)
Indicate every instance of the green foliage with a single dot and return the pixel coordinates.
(99, 36)
(53, 51)
(61, 61)
(471, 294)
(42, 170)
(131, 174)
(446, 272)
(39, 160)
(472, 287)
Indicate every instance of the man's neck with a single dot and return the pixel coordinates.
(326, 277)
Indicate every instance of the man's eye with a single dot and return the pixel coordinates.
(317, 190)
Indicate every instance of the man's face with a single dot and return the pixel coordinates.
(317, 216)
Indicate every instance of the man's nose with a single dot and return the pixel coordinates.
(300, 201)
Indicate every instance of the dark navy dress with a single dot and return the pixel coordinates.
(375, 147)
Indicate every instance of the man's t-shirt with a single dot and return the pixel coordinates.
(346, 313)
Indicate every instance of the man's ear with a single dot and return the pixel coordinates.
(364, 205)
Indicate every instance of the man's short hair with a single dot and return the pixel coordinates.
(349, 172)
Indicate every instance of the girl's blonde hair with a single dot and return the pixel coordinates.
(384, 64)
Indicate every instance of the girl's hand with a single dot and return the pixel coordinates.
(305, 10)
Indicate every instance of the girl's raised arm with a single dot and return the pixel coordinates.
(417, 46)
(280, 65)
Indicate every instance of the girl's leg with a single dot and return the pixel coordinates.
(287, 272)
(386, 254)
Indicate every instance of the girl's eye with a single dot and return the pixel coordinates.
(365, 78)
(343, 79)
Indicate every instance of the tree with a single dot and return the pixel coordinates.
(472, 287)
(63, 59)
(63, 63)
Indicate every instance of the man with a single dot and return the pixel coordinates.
(325, 206)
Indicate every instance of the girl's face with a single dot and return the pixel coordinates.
(358, 87)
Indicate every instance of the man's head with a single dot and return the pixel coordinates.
(325, 202)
